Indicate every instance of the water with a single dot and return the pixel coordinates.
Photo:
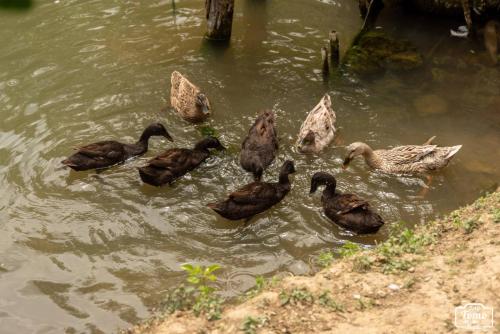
(87, 252)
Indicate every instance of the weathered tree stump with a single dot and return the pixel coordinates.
(334, 48)
(219, 19)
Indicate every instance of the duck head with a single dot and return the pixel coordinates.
(155, 129)
(322, 179)
(353, 150)
(202, 104)
(288, 167)
(308, 142)
(209, 142)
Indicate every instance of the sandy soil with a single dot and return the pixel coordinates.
(413, 286)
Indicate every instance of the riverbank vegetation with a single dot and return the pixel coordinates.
(414, 275)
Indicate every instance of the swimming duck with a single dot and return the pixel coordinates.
(255, 197)
(176, 162)
(259, 147)
(346, 210)
(187, 99)
(408, 159)
(107, 153)
(318, 129)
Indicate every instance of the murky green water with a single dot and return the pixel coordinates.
(87, 252)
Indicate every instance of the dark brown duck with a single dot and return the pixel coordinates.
(107, 153)
(176, 162)
(346, 210)
(259, 147)
(255, 197)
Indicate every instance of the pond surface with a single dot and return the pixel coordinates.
(88, 252)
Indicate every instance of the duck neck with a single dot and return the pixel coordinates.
(201, 147)
(370, 158)
(284, 180)
(329, 190)
(143, 142)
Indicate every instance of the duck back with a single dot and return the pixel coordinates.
(260, 146)
(352, 213)
(170, 165)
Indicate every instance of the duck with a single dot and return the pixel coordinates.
(260, 146)
(188, 100)
(176, 162)
(346, 210)
(255, 197)
(107, 153)
(407, 159)
(318, 129)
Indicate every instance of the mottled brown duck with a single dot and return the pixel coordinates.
(260, 146)
(176, 162)
(255, 197)
(318, 129)
(107, 153)
(346, 210)
(188, 100)
(408, 159)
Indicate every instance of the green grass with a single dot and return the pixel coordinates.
(349, 249)
(325, 259)
(326, 300)
(362, 263)
(296, 296)
(250, 324)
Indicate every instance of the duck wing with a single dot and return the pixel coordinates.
(409, 154)
(321, 120)
(104, 149)
(255, 192)
(175, 158)
(346, 203)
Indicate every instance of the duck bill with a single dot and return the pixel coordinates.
(205, 109)
(169, 137)
(346, 162)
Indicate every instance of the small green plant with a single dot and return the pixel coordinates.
(349, 249)
(251, 324)
(362, 263)
(207, 131)
(410, 283)
(325, 300)
(260, 284)
(206, 301)
(470, 225)
(296, 296)
(394, 266)
(496, 216)
(324, 259)
(181, 298)
(364, 303)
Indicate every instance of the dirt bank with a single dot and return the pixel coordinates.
(409, 284)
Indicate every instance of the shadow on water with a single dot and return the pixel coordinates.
(16, 4)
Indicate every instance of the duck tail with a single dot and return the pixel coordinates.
(147, 176)
(215, 206)
(430, 140)
(70, 163)
(452, 151)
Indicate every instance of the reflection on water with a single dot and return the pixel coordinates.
(87, 252)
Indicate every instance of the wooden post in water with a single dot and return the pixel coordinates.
(334, 48)
(219, 19)
(324, 58)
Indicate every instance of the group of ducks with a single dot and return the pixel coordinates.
(257, 152)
